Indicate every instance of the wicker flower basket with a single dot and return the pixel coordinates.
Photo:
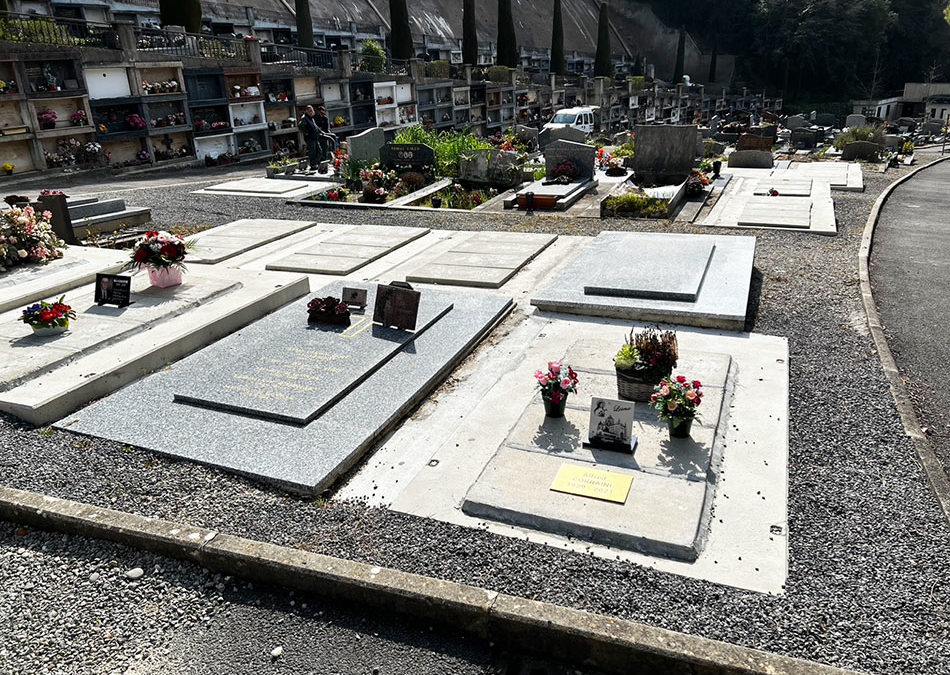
(636, 385)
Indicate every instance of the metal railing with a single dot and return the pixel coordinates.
(48, 30)
(298, 56)
(188, 44)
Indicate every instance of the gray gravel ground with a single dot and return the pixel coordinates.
(69, 605)
(869, 551)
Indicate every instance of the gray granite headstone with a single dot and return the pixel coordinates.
(855, 120)
(933, 128)
(825, 120)
(860, 150)
(473, 166)
(714, 123)
(527, 135)
(665, 152)
(568, 134)
(286, 370)
(795, 122)
(804, 138)
(581, 154)
(750, 159)
(411, 156)
(364, 146)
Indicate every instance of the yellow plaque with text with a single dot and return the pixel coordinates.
(595, 483)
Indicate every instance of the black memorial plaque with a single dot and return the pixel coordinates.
(113, 289)
(396, 305)
(354, 297)
(407, 156)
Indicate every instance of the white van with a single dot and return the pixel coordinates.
(579, 118)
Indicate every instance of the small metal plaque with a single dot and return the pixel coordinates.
(113, 289)
(354, 297)
(594, 483)
(396, 306)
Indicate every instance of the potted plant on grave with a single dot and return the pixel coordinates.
(645, 358)
(78, 118)
(163, 254)
(25, 236)
(676, 400)
(47, 118)
(8, 168)
(273, 167)
(555, 384)
(328, 310)
(48, 318)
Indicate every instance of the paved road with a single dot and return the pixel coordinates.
(910, 275)
(69, 607)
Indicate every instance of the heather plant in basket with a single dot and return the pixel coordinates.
(648, 351)
(157, 250)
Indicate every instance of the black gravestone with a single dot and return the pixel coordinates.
(113, 289)
(59, 218)
(396, 305)
(407, 156)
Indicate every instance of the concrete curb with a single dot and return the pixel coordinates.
(572, 636)
(939, 482)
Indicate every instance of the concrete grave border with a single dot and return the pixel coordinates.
(575, 636)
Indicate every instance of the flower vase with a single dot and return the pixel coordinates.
(46, 331)
(164, 277)
(717, 167)
(682, 429)
(552, 409)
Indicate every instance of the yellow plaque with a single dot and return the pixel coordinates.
(589, 482)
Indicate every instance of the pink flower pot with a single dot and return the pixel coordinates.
(164, 277)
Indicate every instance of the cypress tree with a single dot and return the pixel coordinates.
(401, 43)
(507, 43)
(558, 65)
(185, 13)
(602, 64)
(304, 24)
(713, 60)
(469, 34)
(680, 58)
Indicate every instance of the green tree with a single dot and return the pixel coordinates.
(185, 13)
(401, 43)
(603, 66)
(680, 66)
(558, 65)
(469, 34)
(304, 24)
(507, 42)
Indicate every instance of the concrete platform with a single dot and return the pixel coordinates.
(348, 250)
(263, 187)
(79, 265)
(633, 261)
(482, 259)
(44, 379)
(221, 243)
(429, 465)
(667, 510)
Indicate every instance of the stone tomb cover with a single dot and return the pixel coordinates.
(305, 369)
(305, 459)
(677, 275)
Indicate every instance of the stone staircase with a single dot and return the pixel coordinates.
(91, 216)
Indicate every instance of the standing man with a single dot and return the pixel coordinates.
(311, 135)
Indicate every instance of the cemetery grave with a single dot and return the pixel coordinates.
(308, 400)
(221, 243)
(260, 187)
(569, 168)
(348, 251)
(628, 275)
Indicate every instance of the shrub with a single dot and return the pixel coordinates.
(907, 148)
(449, 146)
(625, 150)
(875, 134)
(439, 69)
(637, 204)
(499, 74)
(373, 57)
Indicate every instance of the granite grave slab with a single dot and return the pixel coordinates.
(685, 266)
(665, 152)
(221, 243)
(631, 259)
(786, 187)
(303, 459)
(777, 212)
(348, 251)
(484, 259)
(260, 187)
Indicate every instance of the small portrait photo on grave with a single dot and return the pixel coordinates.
(611, 425)
(354, 297)
(113, 289)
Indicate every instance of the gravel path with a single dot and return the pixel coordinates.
(73, 605)
(869, 551)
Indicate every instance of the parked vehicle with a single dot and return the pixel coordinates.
(579, 118)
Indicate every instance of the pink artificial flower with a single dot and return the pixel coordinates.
(543, 380)
(566, 383)
(691, 395)
(554, 367)
(664, 391)
(671, 405)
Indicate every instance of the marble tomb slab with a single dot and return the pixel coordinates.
(629, 260)
(260, 187)
(485, 259)
(777, 212)
(303, 459)
(786, 187)
(678, 275)
(221, 243)
(348, 251)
